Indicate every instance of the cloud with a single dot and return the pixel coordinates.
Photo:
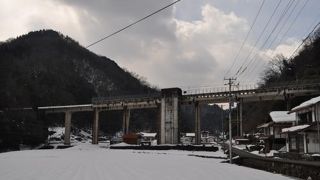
(20, 17)
(286, 49)
(167, 49)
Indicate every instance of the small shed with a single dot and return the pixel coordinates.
(148, 138)
(131, 138)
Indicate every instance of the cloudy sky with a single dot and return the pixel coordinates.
(192, 44)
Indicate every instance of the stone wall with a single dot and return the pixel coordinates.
(300, 169)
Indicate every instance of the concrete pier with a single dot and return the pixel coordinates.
(126, 120)
(170, 108)
(95, 126)
(197, 125)
(67, 127)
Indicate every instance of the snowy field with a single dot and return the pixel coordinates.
(90, 162)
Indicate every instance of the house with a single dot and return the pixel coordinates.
(188, 138)
(148, 138)
(304, 136)
(271, 132)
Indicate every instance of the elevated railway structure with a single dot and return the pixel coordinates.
(168, 102)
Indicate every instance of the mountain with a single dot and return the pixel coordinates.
(45, 68)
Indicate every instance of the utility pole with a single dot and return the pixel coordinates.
(222, 126)
(230, 83)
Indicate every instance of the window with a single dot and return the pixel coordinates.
(293, 143)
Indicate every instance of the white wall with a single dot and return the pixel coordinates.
(313, 145)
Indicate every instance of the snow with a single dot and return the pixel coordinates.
(152, 135)
(67, 106)
(306, 104)
(190, 134)
(263, 125)
(295, 128)
(88, 161)
(282, 116)
(58, 132)
(123, 144)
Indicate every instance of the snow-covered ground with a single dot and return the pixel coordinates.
(86, 162)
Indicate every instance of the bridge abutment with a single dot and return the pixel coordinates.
(170, 108)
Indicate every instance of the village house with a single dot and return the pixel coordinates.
(304, 136)
(271, 131)
(148, 138)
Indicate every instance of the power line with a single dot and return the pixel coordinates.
(246, 38)
(260, 35)
(294, 20)
(126, 27)
(270, 34)
(260, 65)
(315, 27)
(254, 58)
(310, 33)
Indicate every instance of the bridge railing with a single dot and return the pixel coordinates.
(296, 85)
(207, 90)
(126, 98)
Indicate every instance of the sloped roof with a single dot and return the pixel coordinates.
(295, 128)
(282, 116)
(264, 125)
(190, 134)
(143, 134)
(306, 104)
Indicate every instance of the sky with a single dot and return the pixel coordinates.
(193, 44)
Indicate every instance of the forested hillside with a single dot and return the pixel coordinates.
(48, 68)
(45, 68)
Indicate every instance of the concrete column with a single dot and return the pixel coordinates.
(241, 127)
(95, 127)
(197, 126)
(159, 124)
(170, 106)
(125, 120)
(163, 122)
(67, 127)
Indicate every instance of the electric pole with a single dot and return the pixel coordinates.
(230, 83)
(222, 126)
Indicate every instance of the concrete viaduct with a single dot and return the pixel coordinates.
(169, 101)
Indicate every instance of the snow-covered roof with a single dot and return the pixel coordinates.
(67, 106)
(263, 125)
(295, 128)
(306, 104)
(143, 134)
(282, 116)
(190, 134)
